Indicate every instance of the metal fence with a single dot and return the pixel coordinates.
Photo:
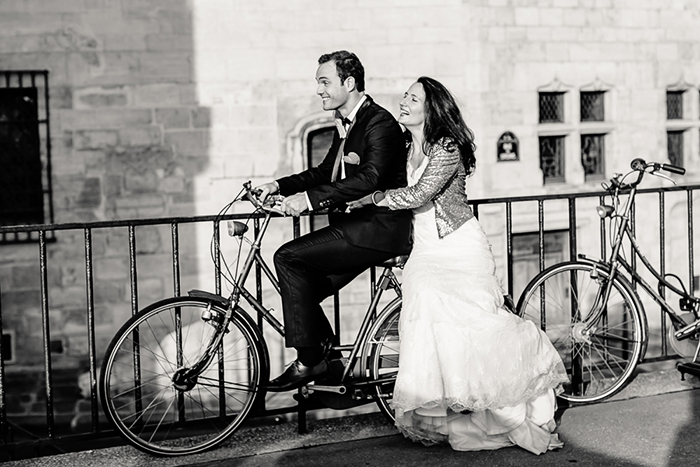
(506, 219)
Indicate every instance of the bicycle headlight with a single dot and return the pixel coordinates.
(604, 211)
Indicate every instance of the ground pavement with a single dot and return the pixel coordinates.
(653, 422)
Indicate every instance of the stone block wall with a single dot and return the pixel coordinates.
(163, 108)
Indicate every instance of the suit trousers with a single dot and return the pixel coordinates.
(310, 269)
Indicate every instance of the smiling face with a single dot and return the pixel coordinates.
(333, 94)
(412, 106)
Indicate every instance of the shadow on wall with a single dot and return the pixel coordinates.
(128, 140)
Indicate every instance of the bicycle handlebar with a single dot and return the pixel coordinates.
(269, 204)
(642, 167)
(639, 164)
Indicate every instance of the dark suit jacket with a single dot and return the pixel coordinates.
(377, 139)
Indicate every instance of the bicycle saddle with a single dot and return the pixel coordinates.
(396, 261)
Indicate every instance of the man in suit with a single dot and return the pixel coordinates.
(368, 153)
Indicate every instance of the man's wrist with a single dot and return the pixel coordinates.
(277, 186)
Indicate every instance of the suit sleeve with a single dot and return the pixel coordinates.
(383, 143)
(442, 165)
(313, 176)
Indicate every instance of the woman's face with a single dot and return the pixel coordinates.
(412, 106)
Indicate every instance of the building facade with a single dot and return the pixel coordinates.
(158, 108)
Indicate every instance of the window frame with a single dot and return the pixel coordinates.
(38, 80)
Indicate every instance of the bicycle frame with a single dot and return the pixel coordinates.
(387, 280)
(616, 261)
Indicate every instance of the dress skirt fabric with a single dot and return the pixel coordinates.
(470, 373)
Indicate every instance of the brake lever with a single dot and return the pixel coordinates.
(659, 174)
(271, 204)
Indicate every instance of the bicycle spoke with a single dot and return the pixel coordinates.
(599, 356)
(208, 406)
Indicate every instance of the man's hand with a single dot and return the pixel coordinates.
(358, 203)
(263, 191)
(294, 205)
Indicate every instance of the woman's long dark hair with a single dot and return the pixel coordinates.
(444, 119)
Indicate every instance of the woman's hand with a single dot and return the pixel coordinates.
(359, 203)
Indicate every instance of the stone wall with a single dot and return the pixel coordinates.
(164, 107)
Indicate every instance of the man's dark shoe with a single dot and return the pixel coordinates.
(296, 375)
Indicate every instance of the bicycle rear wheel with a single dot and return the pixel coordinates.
(147, 395)
(383, 352)
(599, 360)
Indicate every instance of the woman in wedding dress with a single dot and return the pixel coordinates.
(471, 373)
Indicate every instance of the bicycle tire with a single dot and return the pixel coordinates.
(382, 349)
(599, 362)
(160, 415)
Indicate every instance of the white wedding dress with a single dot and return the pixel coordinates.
(470, 373)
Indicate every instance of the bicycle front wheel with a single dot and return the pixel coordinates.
(600, 356)
(383, 361)
(146, 390)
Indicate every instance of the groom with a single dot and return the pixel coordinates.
(367, 154)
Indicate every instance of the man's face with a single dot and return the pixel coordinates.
(333, 94)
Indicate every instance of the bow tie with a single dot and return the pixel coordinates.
(342, 124)
(343, 120)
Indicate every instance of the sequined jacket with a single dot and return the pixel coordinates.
(444, 183)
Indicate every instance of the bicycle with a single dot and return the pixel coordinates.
(594, 316)
(184, 373)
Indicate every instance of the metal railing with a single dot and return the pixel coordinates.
(510, 216)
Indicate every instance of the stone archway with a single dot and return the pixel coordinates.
(297, 139)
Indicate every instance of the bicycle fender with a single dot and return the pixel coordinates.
(218, 299)
(598, 264)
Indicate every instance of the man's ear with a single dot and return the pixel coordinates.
(350, 83)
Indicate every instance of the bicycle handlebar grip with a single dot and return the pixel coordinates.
(673, 168)
(638, 164)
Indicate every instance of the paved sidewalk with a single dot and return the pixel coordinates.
(651, 431)
(653, 422)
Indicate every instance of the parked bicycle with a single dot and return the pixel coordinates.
(182, 375)
(593, 314)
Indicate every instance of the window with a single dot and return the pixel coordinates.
(674, 143)
(574, 131)
(593, 133)
(551, 107)
(674, 105)
(592, 106)
(552, 158)
(592, 156)
(318, 143)
(8, 346)
(25, 179)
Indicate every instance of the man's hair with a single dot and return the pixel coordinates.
(347, 64)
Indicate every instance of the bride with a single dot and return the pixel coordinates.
(471, 373)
